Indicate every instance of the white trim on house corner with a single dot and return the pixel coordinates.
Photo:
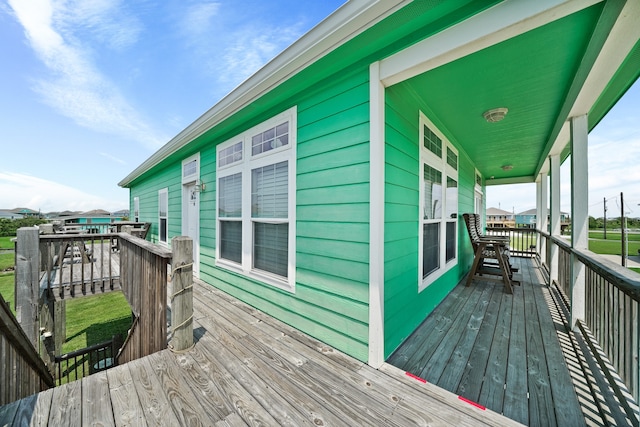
(376, 220)
(498, 23)
(349, 21)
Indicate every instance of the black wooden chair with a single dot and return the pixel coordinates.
(485, 249)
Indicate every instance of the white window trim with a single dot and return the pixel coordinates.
(245, 166)
(136, 209)
(429, 158)
(194, 176)
(160, 192)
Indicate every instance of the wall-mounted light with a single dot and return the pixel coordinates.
(200, 186)
(495, 114)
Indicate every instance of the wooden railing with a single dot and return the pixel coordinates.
(79, 264)
(22, 371)
(77, 364)
(611, 307)
(522, 241)
(143, 278)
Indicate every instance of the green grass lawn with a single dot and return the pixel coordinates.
(613, 235)
(6, 260)
(612, 247)
(6, 243)
(95, 319)
(7, 289)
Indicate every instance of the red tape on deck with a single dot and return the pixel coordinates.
(471, 402)
(415, 377)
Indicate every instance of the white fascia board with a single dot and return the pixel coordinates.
(623, 37)
(514, 180)
(499, 23)
(350, 20)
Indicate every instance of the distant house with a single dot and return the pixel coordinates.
(26, 212)
(327, 189)
(9, 214)
(527, 219)
(94, 217)
(500, 218)
(123, 213)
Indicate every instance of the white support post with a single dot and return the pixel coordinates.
(542, 221)
(579, 212)
(554, 162)
(376, 212)
(538, 211)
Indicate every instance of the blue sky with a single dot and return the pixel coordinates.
(90, 89)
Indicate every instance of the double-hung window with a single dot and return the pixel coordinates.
(163, 216)
(438, 235)
(256, 202)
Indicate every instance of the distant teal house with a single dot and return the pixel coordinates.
(527, 219)
(327, 189)
(95, 217)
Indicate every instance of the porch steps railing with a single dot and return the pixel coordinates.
(22, 371)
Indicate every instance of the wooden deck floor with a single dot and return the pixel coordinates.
(247, 368)
(510, 353)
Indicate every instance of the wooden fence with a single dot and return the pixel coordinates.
(143, 279)
(22, 371)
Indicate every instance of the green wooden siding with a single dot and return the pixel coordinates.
(405, 307)
(332, 218)
(169, 178)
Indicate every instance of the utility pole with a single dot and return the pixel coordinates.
(623, 236)
(605, 218)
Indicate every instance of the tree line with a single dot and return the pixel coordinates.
(613, 223)
(8, 227)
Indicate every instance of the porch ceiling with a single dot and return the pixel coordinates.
(530, 74)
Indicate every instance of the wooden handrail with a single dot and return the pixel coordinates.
(13, 332)
(621, 277)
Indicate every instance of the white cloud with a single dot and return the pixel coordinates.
(198, 17)
(20, 190)
(112, 158)
(76, 88)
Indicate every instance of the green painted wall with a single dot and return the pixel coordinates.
(332, 243)
(147, 190)
(405, 307)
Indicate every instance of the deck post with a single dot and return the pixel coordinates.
(182, 293)
(554, 166)
(27, 281)
(579, 213)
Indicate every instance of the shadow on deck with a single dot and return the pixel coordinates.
(247, 368)
(512, 354)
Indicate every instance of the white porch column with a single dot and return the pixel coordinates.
(579, 212)
(376, 223)
(542, 221)
(554, 163)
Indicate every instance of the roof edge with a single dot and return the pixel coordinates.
(347, 22)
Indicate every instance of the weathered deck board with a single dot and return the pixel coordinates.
(511, 362)
(250, 369)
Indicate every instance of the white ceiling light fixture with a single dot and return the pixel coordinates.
(495, 114)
